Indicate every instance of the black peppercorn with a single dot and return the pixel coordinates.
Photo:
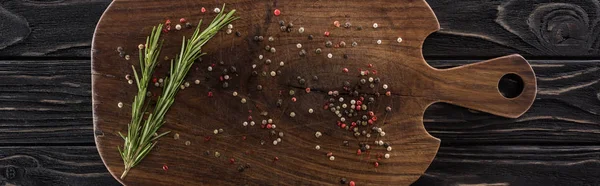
(343, 181)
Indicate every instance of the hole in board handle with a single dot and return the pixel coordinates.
(511, 85)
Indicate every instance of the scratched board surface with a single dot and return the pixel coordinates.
(295, 92)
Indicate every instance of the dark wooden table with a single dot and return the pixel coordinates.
(46, 134)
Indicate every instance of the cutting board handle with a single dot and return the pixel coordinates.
(504, 86)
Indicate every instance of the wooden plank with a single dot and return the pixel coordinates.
(500, 27)
(466, 165)
(53, 165)
(49, 28)
(50, 102)
(487, 28)
(513, 165)
(45, 102)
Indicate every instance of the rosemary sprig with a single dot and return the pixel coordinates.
(141, 139)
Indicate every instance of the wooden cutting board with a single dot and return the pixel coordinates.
(372, 65)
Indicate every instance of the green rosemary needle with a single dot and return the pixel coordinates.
(136, 144)
(140, 138)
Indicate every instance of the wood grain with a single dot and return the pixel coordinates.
(52, 165)
(56, 97)
(45, 102)
(563, 115)
(528, 27)
(48, 28)
(489, 164)
(565, 110)
(413, 84)
(494, 34)
(513, 165)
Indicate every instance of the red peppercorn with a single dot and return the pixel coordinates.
(276, 12)
(358, 107)
(370, 65)
(358, 152)
(165, 167)
(329, 154)
(351, 183)
(370, 121)
(168, 22)
(343, 125)
(307, 90)
(374, 72)
(276, 158)
(376, 164)
(371, 113)
(388, 93)
(345, 70)
(361, 99)
(293, 99)
(210, 94)
(326, 34)
(354, 124)
(182, 20)
(374, 118)
(165, 30)
(203, 10)
(249, 118)
(154, 80)
(359, 102)
(269, 126)
(232, 161)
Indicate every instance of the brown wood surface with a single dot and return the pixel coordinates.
(414, 85)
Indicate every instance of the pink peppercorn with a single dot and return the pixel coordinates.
(277, 12)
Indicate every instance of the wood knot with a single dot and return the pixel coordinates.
(13, 29)
(555, 28)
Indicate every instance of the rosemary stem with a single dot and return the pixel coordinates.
(127, 168)
(142, 132)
